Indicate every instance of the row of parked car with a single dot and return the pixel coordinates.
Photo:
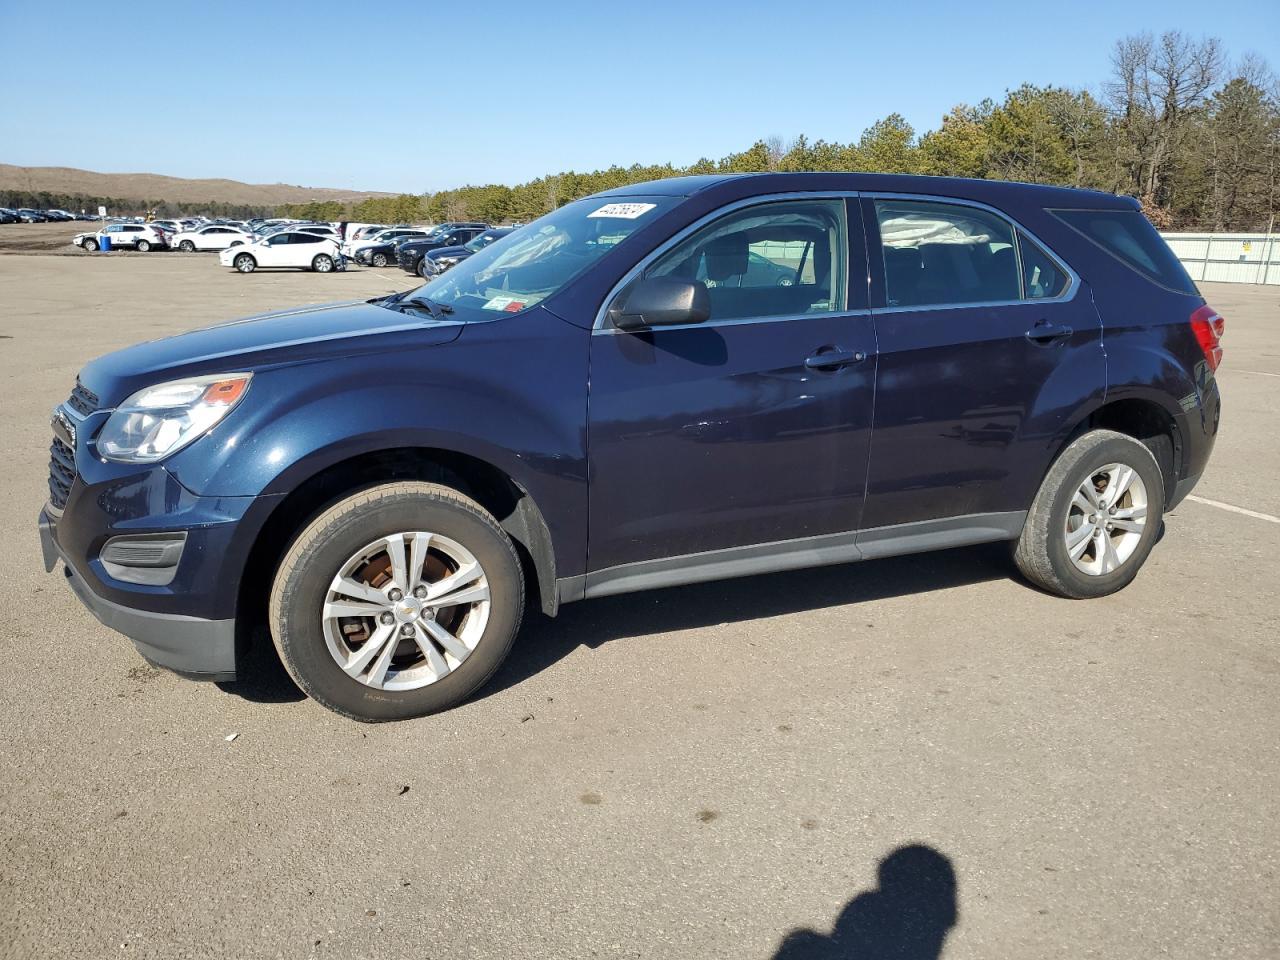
(248, 245)
(29, 215)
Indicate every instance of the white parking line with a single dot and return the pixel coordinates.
(1240, 510)
(1261, 373)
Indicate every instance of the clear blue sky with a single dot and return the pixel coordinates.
(341, 95)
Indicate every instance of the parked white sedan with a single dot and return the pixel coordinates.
(292, 248)
(215, 237)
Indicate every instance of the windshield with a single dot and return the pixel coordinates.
(476, 244)
(530, 264)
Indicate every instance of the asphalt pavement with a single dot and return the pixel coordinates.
(913, 752)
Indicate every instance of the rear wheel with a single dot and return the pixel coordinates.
(245, 263)
(397, 602)
(186, 246)
(1095, 519)
(143, 246)
(323, 263)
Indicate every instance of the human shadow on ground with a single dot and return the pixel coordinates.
(906, 917)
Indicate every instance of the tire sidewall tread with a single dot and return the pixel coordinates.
(302, 580)
(1040, 551)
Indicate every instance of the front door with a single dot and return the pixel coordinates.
(988, 344)
(751, 427)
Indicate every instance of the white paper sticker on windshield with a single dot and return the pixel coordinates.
(508, 304)
(623, 211)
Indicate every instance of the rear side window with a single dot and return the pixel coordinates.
(1042, 276)
(944, 253)
(1129, 237)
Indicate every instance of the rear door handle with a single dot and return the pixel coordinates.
(1044, 334)
(834, 358)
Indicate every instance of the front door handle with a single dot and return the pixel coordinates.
(1044, 334)
(833, 358)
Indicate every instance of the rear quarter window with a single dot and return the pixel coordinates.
(1129, 237)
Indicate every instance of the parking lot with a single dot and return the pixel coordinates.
(702, 772)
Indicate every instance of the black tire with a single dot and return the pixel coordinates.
(143, 246)
(244, 263)
(422, 268)
(379, 260)
(1041, 550)
(304, 576)
(91, 245)
(186, 246)
(322, 263)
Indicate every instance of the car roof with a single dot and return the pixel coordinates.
(748, 184)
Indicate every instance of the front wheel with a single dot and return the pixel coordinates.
(379, 260)
(245, 263)
(399, 601)
(90, 245)
(186, 246)
(1095, 519)
(323, 263)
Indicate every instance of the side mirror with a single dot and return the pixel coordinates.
(661, 302)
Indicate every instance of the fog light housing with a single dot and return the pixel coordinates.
(145, 558)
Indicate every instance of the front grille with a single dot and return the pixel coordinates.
(83, 400)
(62, 472)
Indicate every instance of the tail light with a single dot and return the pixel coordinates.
(1208, 328)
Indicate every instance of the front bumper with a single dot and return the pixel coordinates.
(192, 646)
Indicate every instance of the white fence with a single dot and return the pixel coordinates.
(1228, 257)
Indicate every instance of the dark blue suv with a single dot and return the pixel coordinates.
(677, 381)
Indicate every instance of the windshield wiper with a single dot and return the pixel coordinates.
(436, 309)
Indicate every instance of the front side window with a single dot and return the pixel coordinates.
(938, 253)
(782, 259)
(526, 267)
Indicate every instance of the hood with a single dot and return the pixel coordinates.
(418, 244)
(272, 339)
(460, 252)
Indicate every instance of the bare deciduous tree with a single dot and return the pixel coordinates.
(1157, 88)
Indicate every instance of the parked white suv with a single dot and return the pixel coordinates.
(140, 236)
(290, 248)
(213, 237)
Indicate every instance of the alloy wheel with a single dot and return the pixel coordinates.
(405, 610)
(1106, 520)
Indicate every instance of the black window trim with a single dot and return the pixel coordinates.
(876, 249)
(848, 197)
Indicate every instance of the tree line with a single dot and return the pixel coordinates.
(77, 202)
(1193, 135)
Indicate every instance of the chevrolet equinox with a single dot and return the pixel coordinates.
(677, 381)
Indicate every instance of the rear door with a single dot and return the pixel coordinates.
(733, 432)
(988, 345)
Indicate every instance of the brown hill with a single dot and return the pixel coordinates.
(151, 186)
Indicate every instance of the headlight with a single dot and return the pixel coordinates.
(445, 261)
(163, 419)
